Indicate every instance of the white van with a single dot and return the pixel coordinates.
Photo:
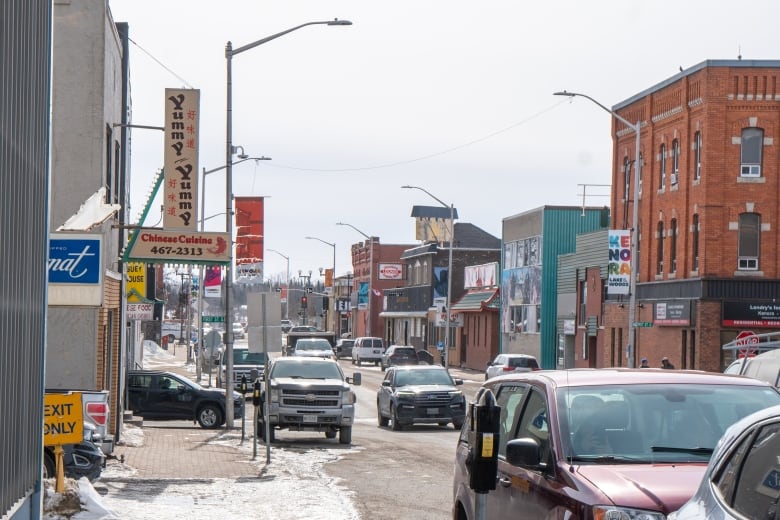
(765, 367)
(367, 349)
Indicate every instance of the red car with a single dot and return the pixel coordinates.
(604, 443)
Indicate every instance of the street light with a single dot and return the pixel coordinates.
(229, 151)
(370, 272)
(243, 157)
(637, 127)
(333, 277)
(449, 272)
(286, 307)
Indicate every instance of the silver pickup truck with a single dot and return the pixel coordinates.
(309, 394)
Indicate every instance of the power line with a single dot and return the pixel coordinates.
(161, 64)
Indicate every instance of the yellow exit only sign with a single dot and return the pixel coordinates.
(63, 421)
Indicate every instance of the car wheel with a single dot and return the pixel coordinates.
(330, 434)
(49, 465)
(345, 435)
(395, 424)
(457, 424)
(358, 361)
(381, 419)
(261, 429)
(443, 423)
(376, 363)
(210, 416)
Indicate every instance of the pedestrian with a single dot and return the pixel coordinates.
(644, 363)
(665, 363)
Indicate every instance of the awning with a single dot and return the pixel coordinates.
(409, 314)
(477, 300)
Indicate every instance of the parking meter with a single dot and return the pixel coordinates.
(482, 460)
(243, 384)
(256, 394)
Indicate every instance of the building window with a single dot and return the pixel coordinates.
(662, 167)
(695, 263)
(626, 177)
(660, 258)
(641, 166)
(750, 153)
(675, 161)
(749, 246)
(673, 246)
(697, 156)
(583, 301)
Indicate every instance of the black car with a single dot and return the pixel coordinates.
(398, 355)
(84, 459)
(158, 395)
(423, 394)
(343, 348)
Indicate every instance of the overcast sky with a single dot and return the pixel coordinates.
(452, 96)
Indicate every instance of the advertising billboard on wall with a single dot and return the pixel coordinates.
(180, 156)
(619, 264)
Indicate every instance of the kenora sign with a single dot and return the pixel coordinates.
(390, 271)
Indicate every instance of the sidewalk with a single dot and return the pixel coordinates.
(176, 449)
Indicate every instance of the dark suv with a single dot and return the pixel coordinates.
(397, 355)
(158, 395)
(423, 394)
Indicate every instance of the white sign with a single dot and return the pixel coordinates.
(456, 319)
(140, 311)
(390, 271)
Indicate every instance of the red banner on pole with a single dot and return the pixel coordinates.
(249, 230)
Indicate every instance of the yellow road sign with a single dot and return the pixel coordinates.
(63, 421)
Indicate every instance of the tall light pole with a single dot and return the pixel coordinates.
(333, 276)
(286, 307)
(242, 157)
(370, 272)
(229, 151)
(449, 272)
(637, 128)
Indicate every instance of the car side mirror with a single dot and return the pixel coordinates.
(458, 382)
(356, 379)
(489, 363)
(386, 383)
(524, 452)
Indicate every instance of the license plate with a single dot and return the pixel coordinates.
(433, 411)
(310, 418)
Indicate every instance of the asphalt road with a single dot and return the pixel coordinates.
(406, 474)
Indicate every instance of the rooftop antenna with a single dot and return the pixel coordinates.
(584, 194)
(739, 49)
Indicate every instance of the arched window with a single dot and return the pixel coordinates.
(641, 167)
(752, 143)
(749, 243)
(662, 167)
(697, 156)
(675, 161)
(626, 177)
(660, 257)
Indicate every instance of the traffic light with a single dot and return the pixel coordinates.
(304, 301)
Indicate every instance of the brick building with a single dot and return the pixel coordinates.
(708, 223)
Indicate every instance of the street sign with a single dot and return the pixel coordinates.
(213, 319)
(642, 324)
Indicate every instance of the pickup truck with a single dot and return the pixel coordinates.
(96, 411)
(293, 336)
(309, 394)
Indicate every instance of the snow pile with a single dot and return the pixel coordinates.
(156, 355)
(78, 501)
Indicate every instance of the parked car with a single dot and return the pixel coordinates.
(508, 363)
(765, 367)
(398, 355)
(85, 459)
(420, 394)
(245, 363)
(286, 326)
(304, 328)
(238, 331)
(159, 395)
(313, 347)
(605, 443)
(743, 478)
(343, 348)
(367, 349)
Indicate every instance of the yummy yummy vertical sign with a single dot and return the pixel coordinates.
(182, 117)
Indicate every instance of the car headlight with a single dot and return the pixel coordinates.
(350, 397)
(455, 393)
(274, 395)
(404, 394)
(624, 513)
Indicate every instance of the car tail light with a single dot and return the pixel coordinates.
(98, 413)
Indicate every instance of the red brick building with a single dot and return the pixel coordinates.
(708, 264)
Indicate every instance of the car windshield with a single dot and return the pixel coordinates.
(653, 423)
(306, 370)
(312, 345)
(431, 376)
(403, 352)
(244, 357)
